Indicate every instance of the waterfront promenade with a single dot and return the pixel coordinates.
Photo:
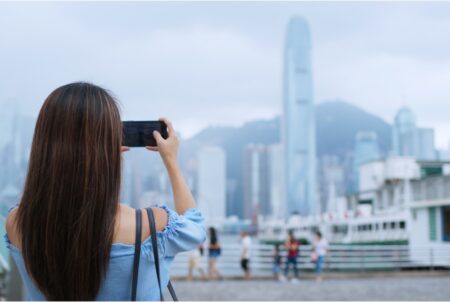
(380, 287)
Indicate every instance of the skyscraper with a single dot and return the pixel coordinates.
(366, 149)
(276, 181)
(425, 146)
(211, 184)
(409, 140)
(256, 182)
(298, 129)
(404, 138)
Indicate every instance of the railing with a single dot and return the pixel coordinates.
(340, 258)
(431, 188)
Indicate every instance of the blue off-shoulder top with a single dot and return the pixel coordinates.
(182, 233)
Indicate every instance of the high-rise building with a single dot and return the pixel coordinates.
(366, 149)
(298, 126)
(263, 181)
(256, 182)
(443, 154)
(409, 140)
(275, 157)
(404, 137)
(211, 184)
(426, 149)
(331, 180)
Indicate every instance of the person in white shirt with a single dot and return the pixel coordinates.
(320, 251)
(195, 263)
(246, 243)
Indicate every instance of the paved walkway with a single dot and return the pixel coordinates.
(360, 289)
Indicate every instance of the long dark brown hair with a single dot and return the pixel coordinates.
(66, 216)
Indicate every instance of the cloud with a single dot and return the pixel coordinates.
(221, 63)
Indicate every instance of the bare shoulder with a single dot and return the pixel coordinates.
(11, 227)
(125, 231)
(161, 218)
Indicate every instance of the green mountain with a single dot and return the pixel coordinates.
(337, 123)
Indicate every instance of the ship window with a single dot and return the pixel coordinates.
(446, 223)
(432, 229)
(369, 227)
(402, 225)
(385, 225)
(392, 225)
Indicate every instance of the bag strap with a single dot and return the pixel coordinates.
(137, 254)
(151, 219)
(172, 291)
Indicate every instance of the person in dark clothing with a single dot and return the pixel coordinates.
(214, 252)
(292, 248)
(276, 262)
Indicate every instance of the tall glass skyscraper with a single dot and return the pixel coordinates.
(409, 140)
(366, 149)
(426, 147)
(211, 184)
(404, 137)
(298, 130)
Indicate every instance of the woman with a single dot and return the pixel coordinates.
(320, 247)
(213, 253)
(69, 236)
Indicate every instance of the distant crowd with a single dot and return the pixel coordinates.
(280, 268)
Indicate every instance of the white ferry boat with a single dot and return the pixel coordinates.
(401, 201)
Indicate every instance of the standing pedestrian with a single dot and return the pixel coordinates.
(246, 243)
(276, 262)
(292, 247)
(320, 247)
(195, 263)
(214, 252)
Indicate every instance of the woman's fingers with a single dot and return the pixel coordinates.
(124, 148)
(158, 137)
(152, 148)
(168, 124)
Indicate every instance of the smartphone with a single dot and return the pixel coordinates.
(140, 133)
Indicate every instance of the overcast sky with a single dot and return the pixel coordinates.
(221, 63)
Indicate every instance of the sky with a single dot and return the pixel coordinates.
(204, 63)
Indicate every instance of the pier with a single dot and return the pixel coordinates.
(422, 286)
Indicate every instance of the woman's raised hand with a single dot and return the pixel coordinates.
(167, 148)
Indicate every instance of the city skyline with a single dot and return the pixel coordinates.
(380, 59)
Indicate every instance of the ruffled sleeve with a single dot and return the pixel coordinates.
(183, 232)
(12, 208)
(8, 242)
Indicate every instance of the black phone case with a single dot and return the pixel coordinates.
(140, 133)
